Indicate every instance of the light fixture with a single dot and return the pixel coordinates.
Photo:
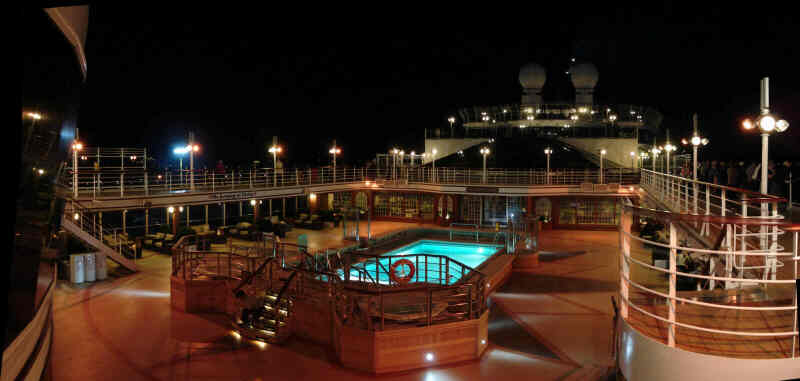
(171, 209)
(180, 209)
(612, 117)
(429, 356)
(603, 151)
(766, 123)
(77, 146)
(253, 202)
(76, 216)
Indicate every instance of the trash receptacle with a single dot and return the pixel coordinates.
(76, 270)
(100, 269)
(89, 266)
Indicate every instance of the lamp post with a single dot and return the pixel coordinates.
(274, 150)
(395, 151)
(602, 156)
(669, 148)
(76, 146)
(192, 149)
(180, 151)
(633, 160)
(433, 163)
(642, 156)
(334, 151)
(696, 141)
(451, 120)
(485, 152)
(548, 151)
(767, 124)
(655, 151)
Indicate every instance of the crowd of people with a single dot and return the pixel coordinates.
(741, 174)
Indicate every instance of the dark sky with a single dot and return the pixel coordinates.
(238, 77)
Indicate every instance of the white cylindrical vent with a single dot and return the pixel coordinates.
(101, 271)
(76, 268)
(89, 266)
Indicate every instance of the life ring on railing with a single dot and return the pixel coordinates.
(405, 278)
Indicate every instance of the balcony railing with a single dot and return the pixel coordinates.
(722, 232)
(119, 183)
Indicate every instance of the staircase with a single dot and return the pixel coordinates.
(100, 237)
(268, 320)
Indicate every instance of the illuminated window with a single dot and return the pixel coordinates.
(361, 200)
(426, 208)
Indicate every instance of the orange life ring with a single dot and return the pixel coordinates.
(405, 279)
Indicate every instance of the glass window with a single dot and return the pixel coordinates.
(381, 205)
(567, 214)
(426, 208)
(543, 207)
(471, 209)
(361, 200)
(411, 205)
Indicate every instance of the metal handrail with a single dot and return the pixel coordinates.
(674, 221)
(114, 182)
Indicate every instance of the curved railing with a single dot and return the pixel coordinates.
(666, 291)
(684, 195)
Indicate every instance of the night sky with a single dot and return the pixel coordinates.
(237, 77)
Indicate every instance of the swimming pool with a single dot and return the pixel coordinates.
(429, 264)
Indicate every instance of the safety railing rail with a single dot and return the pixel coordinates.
(676, 226)
(113, 237)
(703, 198)
(119, 182)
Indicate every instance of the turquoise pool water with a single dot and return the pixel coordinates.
(431, 268)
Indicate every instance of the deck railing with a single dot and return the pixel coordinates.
(702, 198)
(121, 182)
(702, 316)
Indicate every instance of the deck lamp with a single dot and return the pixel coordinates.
(275, 150)
(548, 151)
(334, 151)
(767, 123)
(451, 120)
(485, 152)
(602, 156)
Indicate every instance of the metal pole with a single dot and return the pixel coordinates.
(74, 172)
(673, 243)
(764, 207)
(146, 191)
(694, 177)
(191, 165)
(484, 168)
(548, 168)
(601, 168)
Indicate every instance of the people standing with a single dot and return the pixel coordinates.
(733, 176)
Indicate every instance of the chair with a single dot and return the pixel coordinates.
(151, 239)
